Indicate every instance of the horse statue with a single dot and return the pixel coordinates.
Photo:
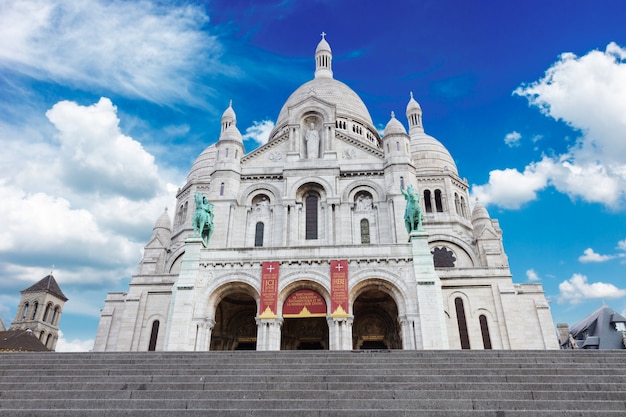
(413, 216)
(203, 218)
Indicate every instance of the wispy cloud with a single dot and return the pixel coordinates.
(532, 276)
(139, 49)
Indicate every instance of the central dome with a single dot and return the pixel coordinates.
(324, 87)
(334, 92)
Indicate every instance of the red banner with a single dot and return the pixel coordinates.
(269, 290)
(339, 289)
(304, 303)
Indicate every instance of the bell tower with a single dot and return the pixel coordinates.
(40, 311)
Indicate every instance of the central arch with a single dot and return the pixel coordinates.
(376, 324)
(304, 326)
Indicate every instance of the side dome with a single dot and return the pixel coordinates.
(204, 164)
(430, 155)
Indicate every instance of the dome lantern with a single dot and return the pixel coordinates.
(323, 59)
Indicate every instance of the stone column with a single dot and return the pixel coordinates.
(268, 334)
(340, 333)
(410, 339)
(203, 335)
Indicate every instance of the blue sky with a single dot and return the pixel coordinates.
(104, 105)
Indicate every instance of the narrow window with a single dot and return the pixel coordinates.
(48, 340)
(41, 335)
(463, 208)
(401, 178)
(258, 234)
(365, 231)
(460, 318)
(311, 217)
(24, 311)
(153, 336)
(54, 315)
(222, 189)
(226, 152)
(438, 202)
(46, 312)
(427, 203)
(397, 146)
(484, 330)
(35, 306)
(457, 204)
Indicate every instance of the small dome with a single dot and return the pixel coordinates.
(412, 105)
(204, 164)
(163, 222)
(231, 134)
(394, 127)
(323, 46)
(229, 113)
(479, 214)
(430, 155)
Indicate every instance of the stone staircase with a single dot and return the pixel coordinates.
(314, 384)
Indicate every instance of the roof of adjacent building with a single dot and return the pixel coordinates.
(598, 330)
(20, 341)
(48, 284)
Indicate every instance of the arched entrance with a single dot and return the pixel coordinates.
(304, 325)
(235, 324)
(376, 323)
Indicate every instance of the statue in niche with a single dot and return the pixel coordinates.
(363, 202)
(312, 139)
(413, 216)
(203, 218)
(262, 206)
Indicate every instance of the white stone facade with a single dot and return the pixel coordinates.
(327, 187)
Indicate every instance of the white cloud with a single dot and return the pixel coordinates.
(75, 345)
(510, 188)
(139, 49)
(590, 256)
(512, 140)
(621, 245)
(85, 203)
(96, 155)
(532, 276)
(577, 289)
(588, 94)
(259, 131)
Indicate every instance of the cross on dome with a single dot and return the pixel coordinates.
(323, 35)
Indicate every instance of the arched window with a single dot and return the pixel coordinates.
(35, 307)
(258, 234)
(24, 310)
(484, 330)
(427, 203)
(457, 204)
(55, 312)
(153, 335)
(311, 217)
(365, 231)
(463, 207)
(462, 323)
(401, 179)
(49, 341)
(41, 335)
(222, 189)
(46, 312)
(438, 202)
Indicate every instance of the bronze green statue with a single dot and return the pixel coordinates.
(203, 218)
(413, 216)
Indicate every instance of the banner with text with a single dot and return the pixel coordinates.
(269, 290)
(304, 303)
(339, 289)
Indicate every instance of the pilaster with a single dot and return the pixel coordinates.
(431, 321)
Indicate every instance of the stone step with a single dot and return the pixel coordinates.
(318, 394)
(300, 403)
(303, 413)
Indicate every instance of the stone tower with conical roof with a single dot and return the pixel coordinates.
(40, 311)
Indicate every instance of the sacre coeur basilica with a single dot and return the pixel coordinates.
(308, 242)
